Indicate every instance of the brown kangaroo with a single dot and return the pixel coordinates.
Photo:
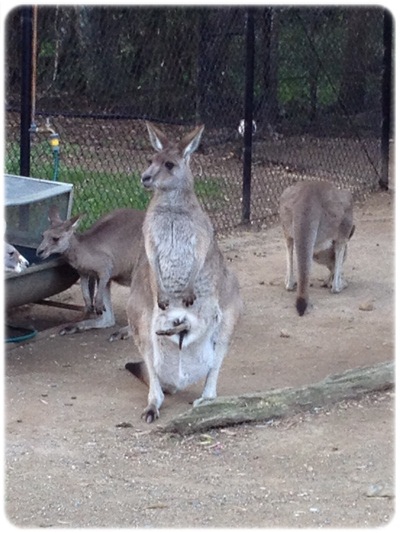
(317, 220)
(184, 301)
(106, 252)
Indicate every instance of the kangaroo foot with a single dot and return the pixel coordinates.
(69, 330)
(327, 282)
(122, 334)
(290, 285)
(150, 414)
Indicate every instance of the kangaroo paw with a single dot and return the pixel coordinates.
(178, 327)
(189, 299)
(162, 300)
(163, 305)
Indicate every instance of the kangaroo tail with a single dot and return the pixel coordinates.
(301, 305)
(304, 239)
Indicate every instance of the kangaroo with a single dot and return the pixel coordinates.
(317, 220)
(13, 260)
(104, 253)
(184, 301)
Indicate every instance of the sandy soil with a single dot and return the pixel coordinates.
(79, 455)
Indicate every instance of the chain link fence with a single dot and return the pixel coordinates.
(316, 97)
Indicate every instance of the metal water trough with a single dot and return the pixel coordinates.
(27, 203)
(38, 281)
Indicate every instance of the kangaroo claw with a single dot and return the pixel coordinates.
(150, 414)
(189, 299)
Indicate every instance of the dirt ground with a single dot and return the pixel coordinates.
(78, 454)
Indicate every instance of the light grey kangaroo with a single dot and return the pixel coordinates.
(106, 252)
(317, 220)
(13, 260)
(184, 301)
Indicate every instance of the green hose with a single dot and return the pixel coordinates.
(25, 334)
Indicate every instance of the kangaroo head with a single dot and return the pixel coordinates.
(169, 168)
(57, 239)
(13, 260)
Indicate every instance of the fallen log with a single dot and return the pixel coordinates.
(278, 403)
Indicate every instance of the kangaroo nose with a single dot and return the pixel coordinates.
(146, 180)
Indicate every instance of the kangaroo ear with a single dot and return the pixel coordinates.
(54, 216)
(158, 139)
(74, 221)
(191, 141)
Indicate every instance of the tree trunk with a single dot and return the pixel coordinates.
(229, 410)
(353, 78)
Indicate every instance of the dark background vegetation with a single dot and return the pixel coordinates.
(317, 99)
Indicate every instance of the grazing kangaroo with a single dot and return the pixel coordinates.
(104, 253)
(184, 301)
(317, 219)
(13, 260)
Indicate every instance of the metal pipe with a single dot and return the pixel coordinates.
(248, 116)
(386, 98)
(26, 90)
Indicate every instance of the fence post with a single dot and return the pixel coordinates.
(248, 116)
(26, 90)
(386, 97)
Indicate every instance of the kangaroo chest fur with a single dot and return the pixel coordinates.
(173, 241)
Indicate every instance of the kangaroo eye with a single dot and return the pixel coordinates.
(169, 165)
(56, 239)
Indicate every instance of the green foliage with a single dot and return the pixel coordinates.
(42, 164)
(95, 191)
(98, 192)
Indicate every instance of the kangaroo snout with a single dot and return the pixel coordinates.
(41, 253)
(146, 180)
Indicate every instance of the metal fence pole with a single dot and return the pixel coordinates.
(248, 115)
(26, 90)
(386, 97)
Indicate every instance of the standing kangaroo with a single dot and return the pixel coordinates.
(184, 301)
(104, 253)
(317, 219)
